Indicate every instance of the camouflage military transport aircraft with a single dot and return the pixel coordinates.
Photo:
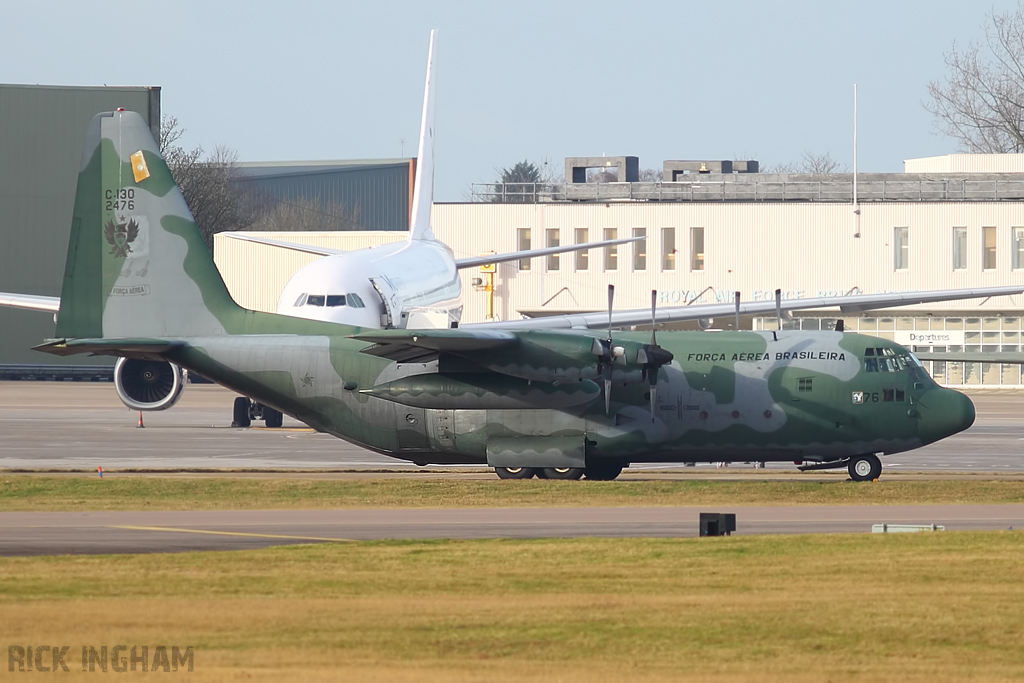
(559, 403)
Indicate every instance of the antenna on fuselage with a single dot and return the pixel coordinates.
(778, 308)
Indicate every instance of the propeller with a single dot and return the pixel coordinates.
(607, 354)
(609, 357)
(652, 356)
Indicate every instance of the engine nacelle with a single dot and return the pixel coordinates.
(148, 384)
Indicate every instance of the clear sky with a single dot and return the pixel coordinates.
(516, 80)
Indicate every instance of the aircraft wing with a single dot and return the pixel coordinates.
(530, 253)
(30, 301)
(407, 345)
(1008, 357)
(846, 304)
(294, 246)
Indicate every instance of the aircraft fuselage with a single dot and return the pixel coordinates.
(725, 396)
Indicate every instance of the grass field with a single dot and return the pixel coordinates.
(909, 607)
(28, 492)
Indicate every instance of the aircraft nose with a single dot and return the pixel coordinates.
(944, 412)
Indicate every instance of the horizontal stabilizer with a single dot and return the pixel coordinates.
(129, 348)
(30, 301)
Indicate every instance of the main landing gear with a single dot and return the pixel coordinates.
(598, 472)
(865, 467)
(245, 411)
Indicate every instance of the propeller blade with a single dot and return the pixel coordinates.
(607, 396)
(611, 299)
(654, 308)
(654, 399)
(737, 311)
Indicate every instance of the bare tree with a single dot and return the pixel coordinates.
(206, 183)
(651, 175)
(812, 162)
(981, 102)
(307, 214)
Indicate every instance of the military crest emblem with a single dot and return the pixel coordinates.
(120, 236)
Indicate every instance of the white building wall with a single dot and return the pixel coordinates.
(804, 249)
(966, 163)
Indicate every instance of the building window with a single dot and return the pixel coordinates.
(696, 248)
(523, 240)
(900, 248)
(668, 248)
(1017, 247)
(959, 248)
(640, 249)
(583, 255)
(553, 241)
(988, 248)
(611, 254)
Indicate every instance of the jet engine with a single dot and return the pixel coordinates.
(148, 384)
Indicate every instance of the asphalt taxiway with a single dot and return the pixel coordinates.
(60, 533)
(81, 426)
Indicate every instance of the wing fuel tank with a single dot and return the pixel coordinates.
(483, 392)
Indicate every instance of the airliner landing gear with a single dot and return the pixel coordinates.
(514, 472)
(865, 468)
(560, 473)
(245, 411)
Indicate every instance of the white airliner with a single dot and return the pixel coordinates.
(414, 284)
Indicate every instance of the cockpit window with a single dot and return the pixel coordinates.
(335, 300)
(884, 359)
(315, 300)
(354, 301)
(301, 301)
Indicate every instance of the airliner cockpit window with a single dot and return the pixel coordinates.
(335, 300)
(355, 301)
(315, 300)
(301, 301)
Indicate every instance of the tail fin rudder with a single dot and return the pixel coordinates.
(137, 265)
(423, 182)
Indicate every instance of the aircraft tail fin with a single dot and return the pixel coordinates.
(137, 265)
(423, 183)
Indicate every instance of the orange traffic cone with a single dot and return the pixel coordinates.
(140, 421)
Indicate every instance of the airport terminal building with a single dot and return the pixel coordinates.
(947, 223)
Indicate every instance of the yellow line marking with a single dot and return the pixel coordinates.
(231, 533)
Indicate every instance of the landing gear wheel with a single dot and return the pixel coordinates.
(514, 472)
(240, 412)
(561, 473)
(603, 471)
(865, 468)
(272, 418)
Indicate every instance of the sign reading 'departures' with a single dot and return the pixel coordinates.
(929, 337)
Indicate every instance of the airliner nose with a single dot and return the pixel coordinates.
(944, 412)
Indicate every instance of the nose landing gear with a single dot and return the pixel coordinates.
(865, 467)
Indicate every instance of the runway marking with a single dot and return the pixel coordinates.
(231, 533)
(285, 429)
